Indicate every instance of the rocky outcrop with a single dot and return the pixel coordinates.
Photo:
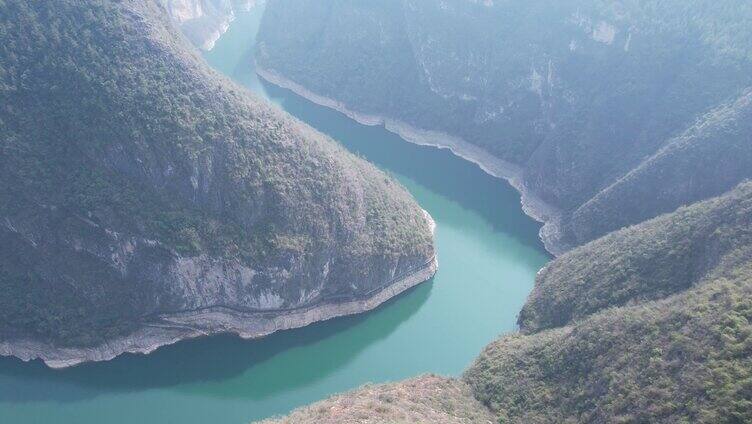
(226, 310)
(204, 21)
(146, 199)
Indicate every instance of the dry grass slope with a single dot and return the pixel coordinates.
(425, 399)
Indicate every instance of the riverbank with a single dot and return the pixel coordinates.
(167, 329)
(550, 234)
(172, 328)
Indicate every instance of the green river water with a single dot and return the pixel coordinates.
(488, 254)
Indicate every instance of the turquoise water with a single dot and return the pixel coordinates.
(488, 255)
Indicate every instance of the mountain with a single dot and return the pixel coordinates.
(627, 126)
(602, 113)
(147, 199)
(614, 331)
(204, 21)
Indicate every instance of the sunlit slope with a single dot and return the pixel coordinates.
(425, 399)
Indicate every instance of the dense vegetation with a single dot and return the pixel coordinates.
(616, 331)
(685, 359)
(580, 93)
(679, 173)
(621, 113)
(641, 340)
(650, 261)
(126, 164)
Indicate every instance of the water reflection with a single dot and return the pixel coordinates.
(214, 359)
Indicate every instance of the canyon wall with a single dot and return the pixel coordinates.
(581, 96)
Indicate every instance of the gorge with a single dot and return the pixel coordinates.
(488, 251)
(590, 103)
(208, 169)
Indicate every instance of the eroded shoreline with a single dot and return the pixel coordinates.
(533, 206)
(168, 329)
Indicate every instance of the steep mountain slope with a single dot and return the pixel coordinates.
(640, 343)
(663, 256)
(204, 21)
(145, 199)
(586, 101)
(620, 332)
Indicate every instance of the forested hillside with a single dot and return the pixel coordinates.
(632, 120)
(649, 324)
(144, 198)
(615, 331)
(609, 107)
(204, 21)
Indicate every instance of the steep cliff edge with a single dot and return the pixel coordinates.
(204, 21)
(146, 199)
(573, 97)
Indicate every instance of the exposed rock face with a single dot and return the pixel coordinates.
(204, 21)
(706, 160)
(578, 95)
(146, 199)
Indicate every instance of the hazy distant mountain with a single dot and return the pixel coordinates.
(145, 198)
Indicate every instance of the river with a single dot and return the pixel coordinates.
(488, 254)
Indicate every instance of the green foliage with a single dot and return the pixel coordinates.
(649, 324)
(685, 359)
(678, 174)
(541, 84)
(120, 151)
